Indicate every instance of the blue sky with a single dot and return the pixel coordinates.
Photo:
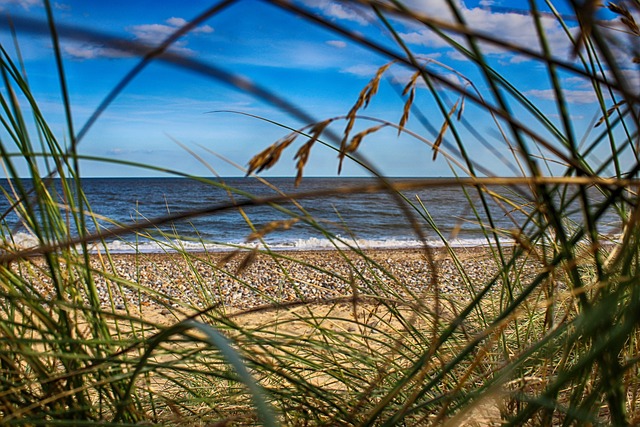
(166, 107)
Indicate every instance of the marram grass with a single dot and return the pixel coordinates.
(539, 328)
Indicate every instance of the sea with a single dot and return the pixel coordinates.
(367, 220)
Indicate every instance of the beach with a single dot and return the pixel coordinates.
(286, 297)
(293, 294)
(246, 280)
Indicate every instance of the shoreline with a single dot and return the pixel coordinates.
(437, 252)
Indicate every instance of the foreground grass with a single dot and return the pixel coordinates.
(541, 329)
(327, 360)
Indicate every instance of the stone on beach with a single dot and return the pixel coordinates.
(200, 280)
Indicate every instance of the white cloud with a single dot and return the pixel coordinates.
(455, 55)
(518, 59)
(362, 70)
(438, 9)
(403, 76)
(336, 43)
(518, 29)
(572, 96)
(624, 46)
(62, 6)
(117, 151)
(578, 82)
(156, 33)
(632, 79)
(89, 51)
(429, 57)
(342, 11)
(25, 4)
(295, 54)
(151, 34)
(176, 22)
(179, 22)
(515, 28)
(424, 37)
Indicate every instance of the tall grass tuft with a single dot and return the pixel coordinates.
(541, 329)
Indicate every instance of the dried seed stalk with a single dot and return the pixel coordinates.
(270, 156)
(302, 156)
(357, 139)
(625, 16)
(443, 130)
(271, 227)
(461, 109)
(628, 21)
(366, 94)
(372, 87)
(303, 153)
(252, 255)
(247, 261)
(411, 89)
(609, 112)
(585, 15)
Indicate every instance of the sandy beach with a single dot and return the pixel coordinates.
(245, 280)
(261, 292)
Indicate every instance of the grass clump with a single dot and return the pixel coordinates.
(539, 327)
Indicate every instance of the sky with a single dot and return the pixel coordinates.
(179, 119)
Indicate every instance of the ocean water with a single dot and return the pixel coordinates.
(368, 220)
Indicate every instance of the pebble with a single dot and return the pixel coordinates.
(167, 280)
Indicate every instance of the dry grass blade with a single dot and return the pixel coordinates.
(302, 156)
(246, 261)
(271, 227)
(270, 156)
(461, 109)
(586, 15)
(407, 110)
(372, 87)
(423, 343)
(626, 17)
(357, 138)
(443, 131)
(303, 152)
(366, 94)
(318, 128)
(411, 89)
(609, 112)
(628, 21)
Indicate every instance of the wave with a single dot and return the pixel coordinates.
(22, 241)
(25, 241)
